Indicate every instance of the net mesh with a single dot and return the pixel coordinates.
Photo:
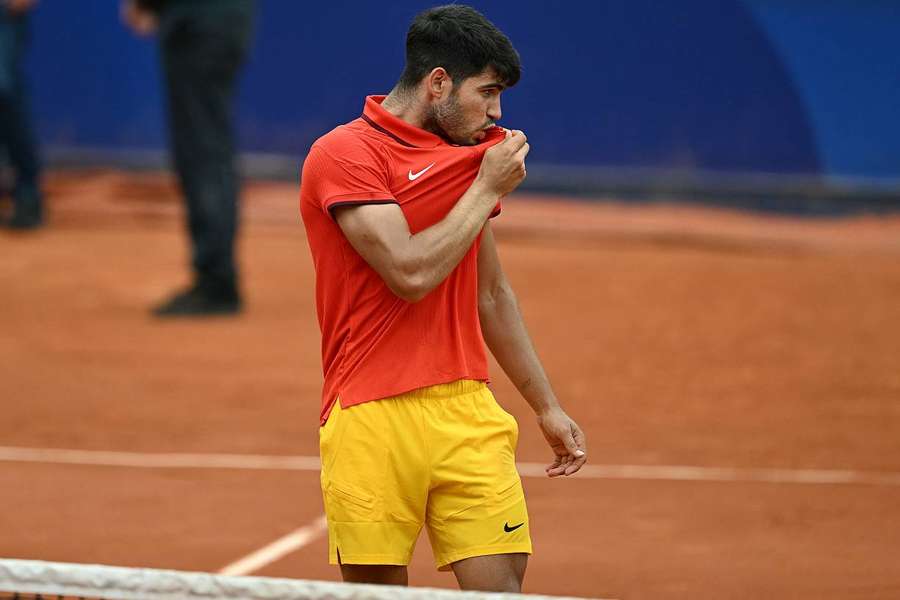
(29, 579)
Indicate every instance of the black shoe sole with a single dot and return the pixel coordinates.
(25, 225)
(165, 312)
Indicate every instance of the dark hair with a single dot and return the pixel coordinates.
(462, 41)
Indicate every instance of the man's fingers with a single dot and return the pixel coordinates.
(575, 465)
(516, 140)
(556, 472)
(522, 152)
(579, 456)
(562, 465)
(556, 468)
(576, 457)
(568, 444)
(554, 464)
(571, 445)
(579, 437)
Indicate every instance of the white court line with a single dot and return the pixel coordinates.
(155, 460)
(311, 463)
(734, 474)
(277, 549)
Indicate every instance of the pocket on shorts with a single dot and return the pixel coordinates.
(347, 502)
(508, 489)
(511, 422)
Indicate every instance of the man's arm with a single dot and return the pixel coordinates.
(506, 336)
(413, 265)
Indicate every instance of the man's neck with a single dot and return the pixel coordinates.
(405, 106)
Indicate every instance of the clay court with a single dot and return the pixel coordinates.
(737, 375)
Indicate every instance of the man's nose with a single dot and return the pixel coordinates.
(494, 113)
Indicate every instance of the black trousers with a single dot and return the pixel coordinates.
(203, 49)
(16, 134)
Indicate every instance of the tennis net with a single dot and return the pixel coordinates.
(31, 580)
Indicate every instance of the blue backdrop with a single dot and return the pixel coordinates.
(723, 86)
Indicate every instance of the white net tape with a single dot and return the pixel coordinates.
(123, 583)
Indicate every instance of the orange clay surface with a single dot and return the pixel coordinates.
(674, 335)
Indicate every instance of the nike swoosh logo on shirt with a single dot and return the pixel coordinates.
(414, 176)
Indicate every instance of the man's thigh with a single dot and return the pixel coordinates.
(374, 483)
(495, 573)
(476, 506)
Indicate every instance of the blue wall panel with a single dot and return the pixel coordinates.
(93, 83)
(844, 58)
(753, 86)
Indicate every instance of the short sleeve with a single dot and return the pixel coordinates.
(330, 181)
(497, 209)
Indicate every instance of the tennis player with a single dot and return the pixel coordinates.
(409, 287)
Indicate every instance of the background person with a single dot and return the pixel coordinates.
(203, 46)
(16, 132)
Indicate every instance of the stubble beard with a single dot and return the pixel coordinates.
(446, 119)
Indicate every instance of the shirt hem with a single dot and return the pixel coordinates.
(354, 401)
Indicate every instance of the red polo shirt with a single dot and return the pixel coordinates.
(374, 344)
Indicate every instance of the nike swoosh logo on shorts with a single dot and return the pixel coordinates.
(414, 176)
(507, 528)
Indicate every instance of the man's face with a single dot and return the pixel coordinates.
(472, 107)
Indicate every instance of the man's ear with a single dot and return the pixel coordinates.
(438, 84)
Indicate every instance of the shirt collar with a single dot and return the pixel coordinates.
(408, 135)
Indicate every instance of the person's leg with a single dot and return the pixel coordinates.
(202, 53)
(16, 133)
(477, 516)
(378, 574)
(374, 487)
(495, 573)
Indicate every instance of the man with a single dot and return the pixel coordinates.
(409, 288)
(16, 135)
(203, 47)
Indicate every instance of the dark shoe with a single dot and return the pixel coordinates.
(24, 221)
(199, 302)
(28, 210)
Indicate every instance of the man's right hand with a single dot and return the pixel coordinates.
(140, 20)
(503, 165)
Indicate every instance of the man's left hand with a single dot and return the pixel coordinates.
(566, 440)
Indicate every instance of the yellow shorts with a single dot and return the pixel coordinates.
(442, 456)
